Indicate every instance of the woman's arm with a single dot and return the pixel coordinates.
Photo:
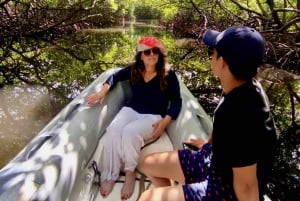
(175, 95)
(160, 126)
(98, 96)
(175, 106)
(121, 75)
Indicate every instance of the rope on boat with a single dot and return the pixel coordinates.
(143, 179)
(97, 173)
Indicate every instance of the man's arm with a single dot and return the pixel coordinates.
(245, 183)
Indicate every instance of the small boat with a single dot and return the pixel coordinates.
(63, 161)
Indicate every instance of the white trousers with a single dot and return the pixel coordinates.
(126, 135)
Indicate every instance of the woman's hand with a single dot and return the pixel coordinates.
(94, 98)
(160, 126)
(99, 96)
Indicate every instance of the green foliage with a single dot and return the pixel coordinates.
(41, 47)
(156, 9)
(169, 13)
(147, 12)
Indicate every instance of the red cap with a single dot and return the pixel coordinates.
(149, 42)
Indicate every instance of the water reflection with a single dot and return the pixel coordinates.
(68, 66)
(23, 112)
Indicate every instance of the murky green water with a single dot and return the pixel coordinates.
(25, 110)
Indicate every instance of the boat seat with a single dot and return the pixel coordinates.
(159, 145)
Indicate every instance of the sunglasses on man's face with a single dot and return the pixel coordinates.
(153, 50)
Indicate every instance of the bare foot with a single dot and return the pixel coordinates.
(128, 186)
(106, 187)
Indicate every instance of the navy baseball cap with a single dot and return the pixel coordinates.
(240, 46)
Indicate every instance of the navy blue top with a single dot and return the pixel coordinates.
(147, 97)
(244, 133)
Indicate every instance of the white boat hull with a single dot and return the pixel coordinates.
(59, 163)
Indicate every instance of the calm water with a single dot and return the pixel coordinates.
(25, 110)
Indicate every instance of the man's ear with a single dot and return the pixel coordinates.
(223, 63)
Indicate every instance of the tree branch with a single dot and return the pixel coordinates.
(245, 8)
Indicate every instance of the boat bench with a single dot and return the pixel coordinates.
(162, 144)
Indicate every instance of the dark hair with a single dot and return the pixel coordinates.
(138, 67)
(245, 71)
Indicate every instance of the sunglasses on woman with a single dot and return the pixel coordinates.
(153, 50)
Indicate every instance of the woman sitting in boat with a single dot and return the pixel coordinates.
(155, 102)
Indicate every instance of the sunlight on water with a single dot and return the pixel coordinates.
(24, 111)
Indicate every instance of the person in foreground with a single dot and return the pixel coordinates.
(156, 100)
(235, 162)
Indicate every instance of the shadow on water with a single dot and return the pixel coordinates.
(23, 111)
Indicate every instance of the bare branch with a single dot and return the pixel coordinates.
(287, 10)
(284, 27)
(274, 14)
(264, 12)
(245, 8)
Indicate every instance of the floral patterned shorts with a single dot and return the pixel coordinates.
(202, 183)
